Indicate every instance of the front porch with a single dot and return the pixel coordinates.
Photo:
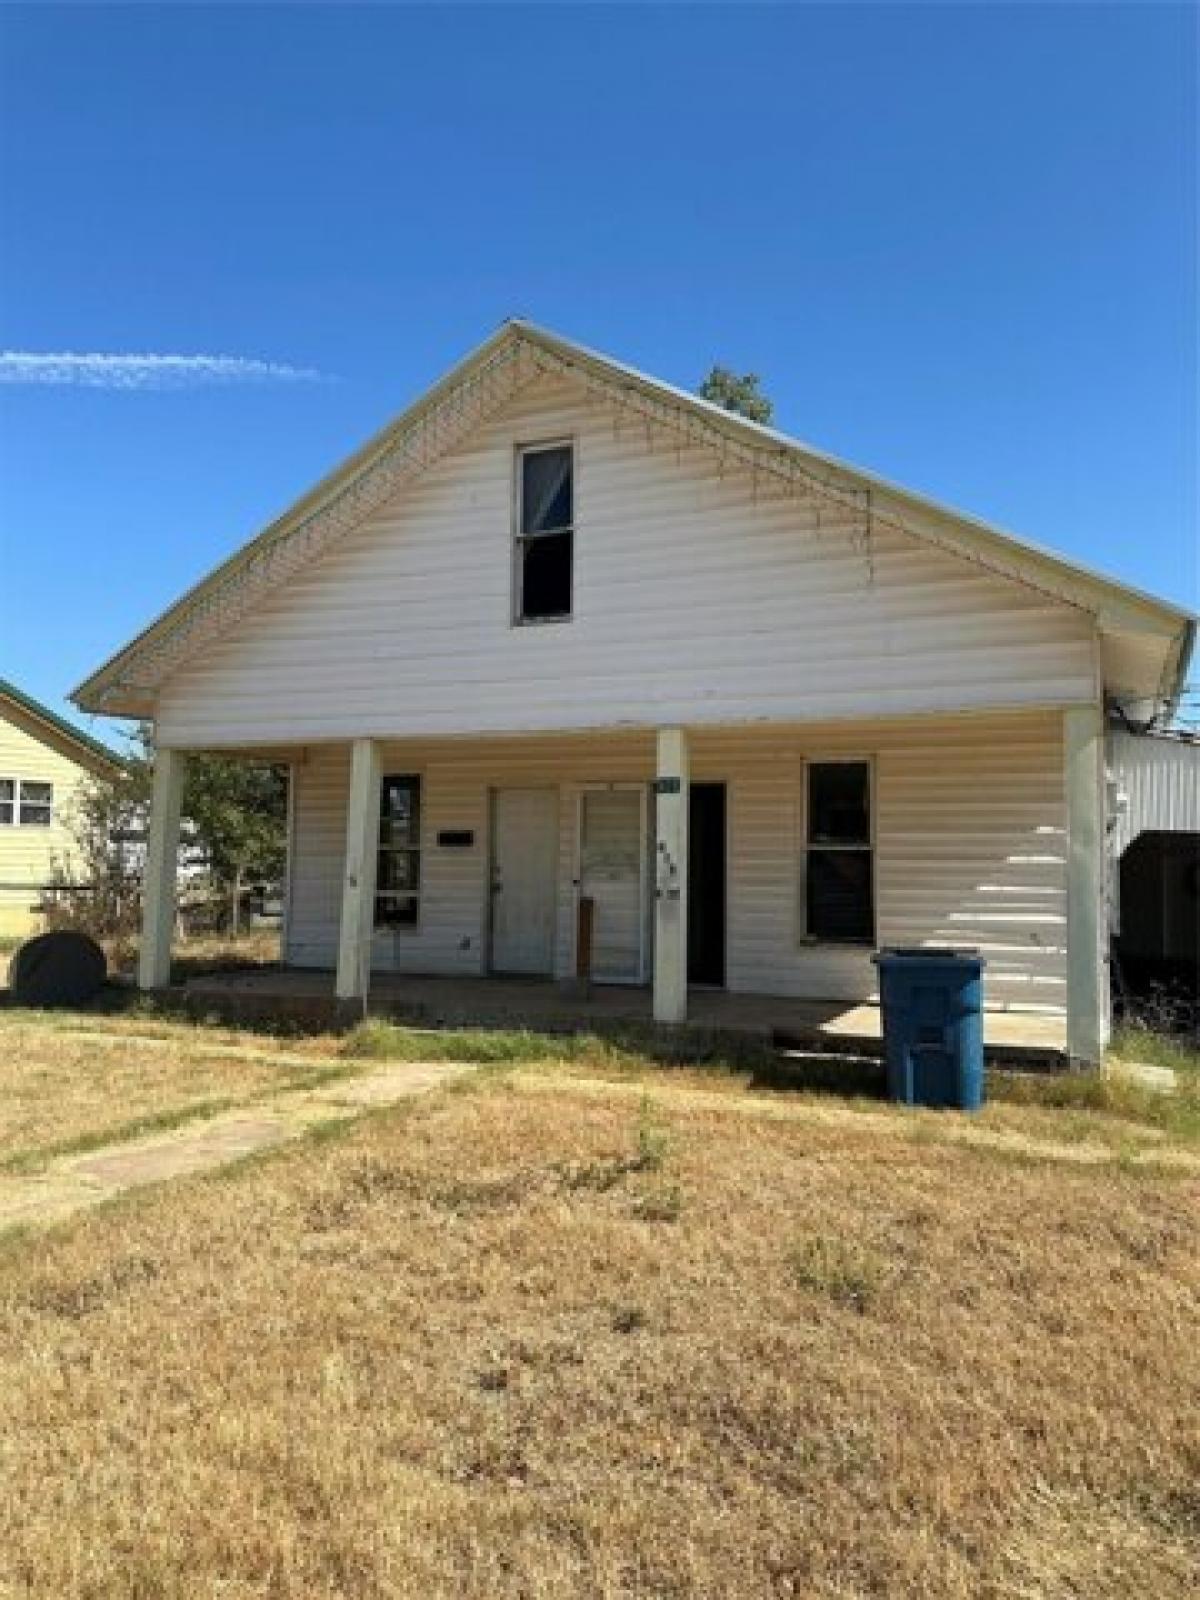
(1011, 1038)
(562, 855)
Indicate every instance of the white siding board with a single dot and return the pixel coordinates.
(970, 846)
(700, 599)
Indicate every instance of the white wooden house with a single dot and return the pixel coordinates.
(562, 631)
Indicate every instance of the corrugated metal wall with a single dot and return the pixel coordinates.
(970, 846)
(1160, 779)
(701, 597)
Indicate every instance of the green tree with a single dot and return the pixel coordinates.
(237, 815)
(740, 394)
(234, 827)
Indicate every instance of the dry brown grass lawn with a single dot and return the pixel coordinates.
(527, 1340)
(63, 1086)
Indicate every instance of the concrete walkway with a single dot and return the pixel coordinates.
(69, 1184)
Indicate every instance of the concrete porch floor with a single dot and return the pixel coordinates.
(1018, 1037)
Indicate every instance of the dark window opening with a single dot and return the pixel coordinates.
(706, 883)
(545, 533)
(546, 577)
(398, 870)
(839, 803)
(839, 878)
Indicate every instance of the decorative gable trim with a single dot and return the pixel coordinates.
(413, 445)
(845, 500)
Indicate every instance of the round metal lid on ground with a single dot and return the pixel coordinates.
(61, 968)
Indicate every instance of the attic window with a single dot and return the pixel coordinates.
(545, 533)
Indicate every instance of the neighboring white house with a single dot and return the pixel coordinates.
(563, 631)
(44, 762)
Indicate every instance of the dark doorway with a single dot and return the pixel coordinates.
(706, 883)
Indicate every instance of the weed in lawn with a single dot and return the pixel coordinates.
(1112, 1093)
(624, 1048)
(652, 1139)
(651, 1142)
(628, 1319)
(849, 1272)
(1135, 1041)
(661, 1203)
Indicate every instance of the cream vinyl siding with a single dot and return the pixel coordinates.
(969, 831)
(28, 854)
(700, 597)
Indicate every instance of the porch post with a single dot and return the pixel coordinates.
(1087, 984)
(358, 880)
(671, 877)
(162, 865)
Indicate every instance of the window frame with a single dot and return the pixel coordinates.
(16, 803)
(520, 539)
(807, 848)
(402, 929)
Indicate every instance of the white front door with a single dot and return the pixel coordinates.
(524, 873)
(612, 830)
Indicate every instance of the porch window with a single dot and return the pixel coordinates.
(839, 890)
(398, 874)
(545, 533)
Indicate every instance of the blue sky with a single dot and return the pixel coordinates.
(958, 244)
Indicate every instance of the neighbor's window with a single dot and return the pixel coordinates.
(545, 532)
(37, 803)
(839, 868)
(26, 801)
(398, 877)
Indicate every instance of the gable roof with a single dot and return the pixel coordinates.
(1150, 639)
(42, 723)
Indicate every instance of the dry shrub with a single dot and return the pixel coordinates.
(413, 1362)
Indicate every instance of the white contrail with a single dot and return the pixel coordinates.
(91, 371)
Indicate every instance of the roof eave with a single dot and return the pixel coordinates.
(84, 750)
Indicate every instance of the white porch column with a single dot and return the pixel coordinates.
(162, 866)
(1087, 979)
(358, 881)
(671, 877)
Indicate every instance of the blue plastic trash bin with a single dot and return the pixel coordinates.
(932, 1005)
